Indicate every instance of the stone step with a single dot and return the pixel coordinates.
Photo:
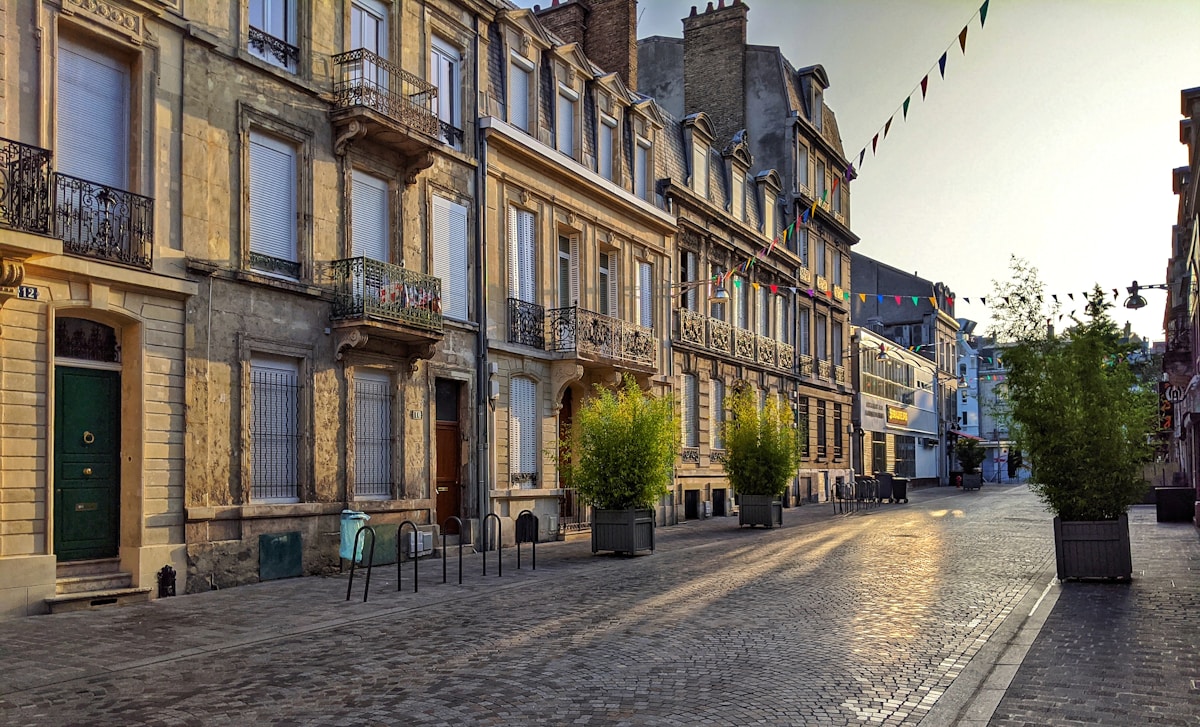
(78, 568)
(97, 599)
(89, 583)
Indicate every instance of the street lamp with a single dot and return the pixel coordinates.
(1136, 300)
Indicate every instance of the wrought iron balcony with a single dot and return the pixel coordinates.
(97, 221)
(273, 49)
(526, 323)
(451, 135)
(24, 187)
(368, 289)
(374, 97)
(591, 334)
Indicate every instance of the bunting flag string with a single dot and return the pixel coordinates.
(981, 13)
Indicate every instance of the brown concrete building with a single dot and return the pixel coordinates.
(788, 128)
(328, 190)
(93, 287)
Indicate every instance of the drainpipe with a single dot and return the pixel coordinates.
(482, 382)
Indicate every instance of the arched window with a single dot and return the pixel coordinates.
(87, 340)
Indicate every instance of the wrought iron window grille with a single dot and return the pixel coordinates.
(284, 53)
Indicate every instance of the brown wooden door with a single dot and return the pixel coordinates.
(449, 465)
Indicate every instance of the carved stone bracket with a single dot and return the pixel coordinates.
(419, 163)
(12, 274)
(348, 338)
(562, 375)
(354, 131)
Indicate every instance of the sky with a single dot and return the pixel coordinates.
(1052, 138)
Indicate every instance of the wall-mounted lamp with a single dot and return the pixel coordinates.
(1136, 300)
(718, 294)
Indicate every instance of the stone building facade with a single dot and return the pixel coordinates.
(94, 291)
(789, 129)
(329, 225)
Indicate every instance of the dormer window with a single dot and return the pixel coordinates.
(768, 215)
(738, 195)
(818, 107)
(801, 166)
(520, 81)
(700, 168)
(606, 141)
(564, 132)
(641, 167)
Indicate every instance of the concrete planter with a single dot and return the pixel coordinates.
(760, 510)
(1093, 548)
(623, 531)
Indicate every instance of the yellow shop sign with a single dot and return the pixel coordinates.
(897, 416)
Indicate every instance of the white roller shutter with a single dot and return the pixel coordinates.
(717, 413)
(518, 96)
(369, 217)
(690, 418)
(522, 437)
(93, 116)
(450, 256)
(272, 198)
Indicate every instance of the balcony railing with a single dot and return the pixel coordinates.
(720, 336)
(805, 364)
(690, 454)
(824, 370)
(276, 49)
(743, 343)
(366, 288)
(804, 275)
(94, 220)
(766, 350)
(586, 332)
(787, 355)
(365, 79)
(717, 455)
(822, 284)
(24, 187)
(450, 135)
(692, 326)
(839, 294)
(526, 323)
(839, 375)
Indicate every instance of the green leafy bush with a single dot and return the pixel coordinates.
(970, 455)
(621, 449)
(761, 448)
(1080, 417)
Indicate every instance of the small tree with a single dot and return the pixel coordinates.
(1079, 416)
(621, 449)
(761, 448)
(970, 455)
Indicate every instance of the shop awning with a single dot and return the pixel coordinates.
(964, 435)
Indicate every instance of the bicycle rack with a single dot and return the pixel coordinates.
(446, 522)
(523, 523)
(499, 530)
(354, 560)
(400, 550)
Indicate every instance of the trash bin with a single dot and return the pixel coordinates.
(352, 522)
(885, 486)
(899, 489)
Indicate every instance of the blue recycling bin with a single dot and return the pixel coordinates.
(352, 522)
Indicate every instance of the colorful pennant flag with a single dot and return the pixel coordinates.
(942, 65)
(962, 39)
(906, 102)
(924, 85)
(983, 13)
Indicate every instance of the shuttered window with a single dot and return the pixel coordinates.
(272, 198)
(821, 342)
(717, 310)
(645, 294)
(717, 413)
(276, 18)
(450, 256)
(835, 267)
(372, 434)
(820, 247)
(568, 270)
(519, 81)
(521, 278)
(93, 116)
(802, 165)
(607, 284)
(783, 318)
(741, 297)
(691, 412)
(522, 427)
(641, 167)
(369, 217)
(820, 180)
(565, 126)
(836, 346)
(763, 314)
(738, 195)
(804, 342)
(700, 168)
(687, 277)
(605, 136)
(275, 437)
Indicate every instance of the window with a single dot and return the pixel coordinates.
(770, 228)
(801, 166)
(273, 36)
(820, 180)
(717, 413)
(838, 431)
(369, 217)
(822, 435)
(368, 26)
(444, 64)
(93, 116)
(879, 461)
(520, 73)
(690, 420)
(801, 244)
(521, 262)
(522, 431)
(717, 310)
(564, 135)
(783, 328)
(606, 135)
(805, 426)
(568, 270)
(906, 456)
(805, 318)
(837, 198)
(763, 314)
(837, 343)
(372, 434)
(821, 343)
(818, 108)
(645, 293)
(607, 284)
(835, 267)
(273, 206)
(450, 262)
(741, 302)
(275, 437)
(641, 167)
(738, 195)
(687, 279)
(820, 248)
(700, 168)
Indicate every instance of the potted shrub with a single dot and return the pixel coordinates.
(1082, 421)
(622, 450)
(970, 456)
(760, 456)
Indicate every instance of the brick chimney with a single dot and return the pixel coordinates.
(714, 65)
(612, 38)
(568, 20)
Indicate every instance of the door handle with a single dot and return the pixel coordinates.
(88, 437)
(87, 470)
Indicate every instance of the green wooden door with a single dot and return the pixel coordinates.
(87, 446)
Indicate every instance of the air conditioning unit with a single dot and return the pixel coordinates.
(418, 543)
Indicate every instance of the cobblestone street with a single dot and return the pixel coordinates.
(863, 619)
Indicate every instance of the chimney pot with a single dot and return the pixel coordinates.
(693, 13)
(709, 9)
